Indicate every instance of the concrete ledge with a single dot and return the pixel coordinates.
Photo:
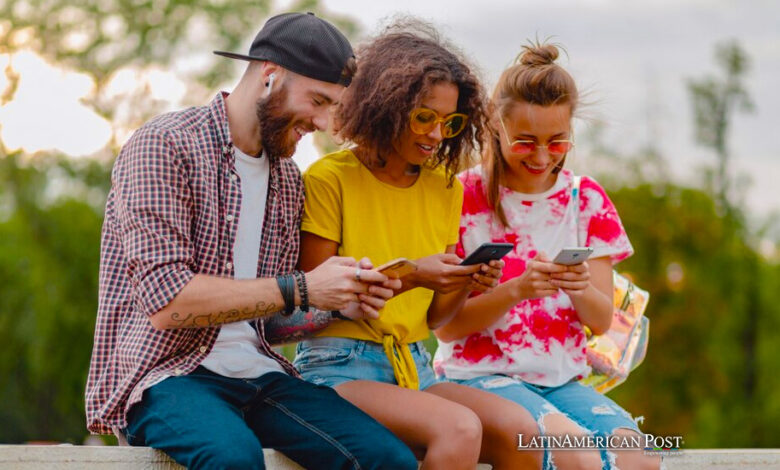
(67, 457)
(723, 459)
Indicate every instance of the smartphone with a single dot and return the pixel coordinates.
(572, 255)
(487, 252)
(397, 268)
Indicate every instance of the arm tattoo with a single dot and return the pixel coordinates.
(191, 320)
(298, 326)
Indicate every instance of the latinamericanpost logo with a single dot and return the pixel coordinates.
(663, 445)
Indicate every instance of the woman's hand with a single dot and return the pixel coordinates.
(442, 273)
(488, 276)
(537, 279)
(574, 281)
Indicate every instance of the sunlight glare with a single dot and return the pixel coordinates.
(45, 112)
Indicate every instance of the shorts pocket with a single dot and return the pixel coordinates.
(310, 357)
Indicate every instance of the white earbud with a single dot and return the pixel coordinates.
(270, 85)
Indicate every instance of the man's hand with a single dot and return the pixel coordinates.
(374, 299)
(338, 281)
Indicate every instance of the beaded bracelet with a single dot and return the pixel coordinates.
(303, 289)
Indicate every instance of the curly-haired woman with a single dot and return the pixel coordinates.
(413, 113)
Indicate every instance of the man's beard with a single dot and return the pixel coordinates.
(275, 125)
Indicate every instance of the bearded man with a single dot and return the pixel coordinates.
(199, 247)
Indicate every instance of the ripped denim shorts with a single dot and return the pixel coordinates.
(591, 410)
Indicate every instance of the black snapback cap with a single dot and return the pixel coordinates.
(304, 44)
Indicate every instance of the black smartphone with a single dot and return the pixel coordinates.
(487, 252)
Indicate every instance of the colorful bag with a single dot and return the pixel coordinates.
(614, 354)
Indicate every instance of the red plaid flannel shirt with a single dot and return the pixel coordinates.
(173, 184)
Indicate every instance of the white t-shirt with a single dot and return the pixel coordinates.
(236, 351)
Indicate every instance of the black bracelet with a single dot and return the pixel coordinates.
(280, 282)
(289, 303)
(287, 288)
(303, 289)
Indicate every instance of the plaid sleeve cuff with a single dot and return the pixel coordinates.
(157, 289)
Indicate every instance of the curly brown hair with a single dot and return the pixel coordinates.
(395, 70)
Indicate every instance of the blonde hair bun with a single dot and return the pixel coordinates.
(538, 54)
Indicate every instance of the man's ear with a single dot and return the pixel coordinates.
(271, 73)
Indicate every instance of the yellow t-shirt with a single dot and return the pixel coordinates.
(346, 203)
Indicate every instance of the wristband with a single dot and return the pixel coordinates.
(280, 282)
(287, 288)
(289, 301)
(303, 289)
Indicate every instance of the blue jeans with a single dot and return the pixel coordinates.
(204, 420)
(591, 410)
(332, 361)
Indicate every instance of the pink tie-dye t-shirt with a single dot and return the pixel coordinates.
(539, 341)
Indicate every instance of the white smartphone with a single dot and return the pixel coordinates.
(573, 255)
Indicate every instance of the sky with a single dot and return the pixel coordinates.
(632, 60)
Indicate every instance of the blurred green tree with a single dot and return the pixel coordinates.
(48, 261)
(708, 374)
(704, 278)
(715, 101)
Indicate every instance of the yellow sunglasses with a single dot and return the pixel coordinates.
(423, 120)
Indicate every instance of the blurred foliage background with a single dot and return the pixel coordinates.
(710, 370)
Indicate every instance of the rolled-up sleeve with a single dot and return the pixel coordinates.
(154, 213)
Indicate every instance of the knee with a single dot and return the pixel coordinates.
(513, 431)
(557, 424)
(511, 425)
(234, 457)
(503, 438)
(529, 429)
(457, 439)
(465, 428)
